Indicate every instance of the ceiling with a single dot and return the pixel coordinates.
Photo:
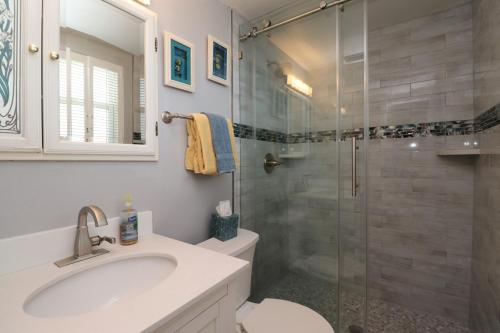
(251, 9)
(127, 33)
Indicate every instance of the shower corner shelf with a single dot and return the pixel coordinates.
(293, 155)
(459, 152)
(468, 152)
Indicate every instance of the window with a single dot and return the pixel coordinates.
(91, 97)
(105, 105)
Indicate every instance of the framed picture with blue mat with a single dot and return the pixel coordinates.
(219, 61)
(179, 70)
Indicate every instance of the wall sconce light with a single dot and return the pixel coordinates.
(299, 85)
(144, 2)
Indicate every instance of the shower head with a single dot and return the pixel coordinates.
(271, 63)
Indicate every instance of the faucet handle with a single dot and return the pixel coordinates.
(97, 240)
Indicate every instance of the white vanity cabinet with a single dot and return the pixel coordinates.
(206, 322)
(213, 314)
(20, 78)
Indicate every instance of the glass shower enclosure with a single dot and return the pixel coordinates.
(302, 101)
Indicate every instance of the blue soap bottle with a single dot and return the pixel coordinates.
(128, 223)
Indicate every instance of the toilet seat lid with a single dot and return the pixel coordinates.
(274, 315)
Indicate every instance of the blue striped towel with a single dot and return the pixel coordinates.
(222, 144)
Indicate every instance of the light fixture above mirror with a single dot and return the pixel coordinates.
(299, 85)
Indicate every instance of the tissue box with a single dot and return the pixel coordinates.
(224, 228)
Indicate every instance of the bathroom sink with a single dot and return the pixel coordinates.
(100, 286)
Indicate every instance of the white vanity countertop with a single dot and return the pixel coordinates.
(198, 273)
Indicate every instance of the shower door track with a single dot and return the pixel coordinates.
(322, 6)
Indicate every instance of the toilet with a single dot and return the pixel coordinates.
(271, 315)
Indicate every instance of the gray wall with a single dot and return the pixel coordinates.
(485, 299)
(419, 204)
(39, 196)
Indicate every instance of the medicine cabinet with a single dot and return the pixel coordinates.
(91, 89)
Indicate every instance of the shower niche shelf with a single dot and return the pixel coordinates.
(293, 155)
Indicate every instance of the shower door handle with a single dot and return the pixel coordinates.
(354, 175)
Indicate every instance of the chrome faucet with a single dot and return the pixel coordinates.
(83, 241)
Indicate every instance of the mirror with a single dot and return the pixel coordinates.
(101, 74)
(298, 112)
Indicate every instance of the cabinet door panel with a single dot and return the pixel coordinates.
(20, 77)
(207, 322)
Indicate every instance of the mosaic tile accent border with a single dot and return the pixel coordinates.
(488, 119)
(243, 131)
(444, 128)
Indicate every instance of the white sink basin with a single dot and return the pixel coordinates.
(100, 286)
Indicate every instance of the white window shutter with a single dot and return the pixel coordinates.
(79, 81)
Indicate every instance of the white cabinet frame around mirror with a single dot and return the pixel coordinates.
(22, 86)
(54, 147)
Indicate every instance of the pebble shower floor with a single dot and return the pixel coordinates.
(383, 317)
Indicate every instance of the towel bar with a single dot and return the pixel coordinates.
(167, 117)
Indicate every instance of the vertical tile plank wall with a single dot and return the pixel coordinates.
(485, 300)
(420, 205)
(263, 196)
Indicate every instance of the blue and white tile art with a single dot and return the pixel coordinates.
(9, 66)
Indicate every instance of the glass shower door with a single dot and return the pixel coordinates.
(352, 137)
(302, 100)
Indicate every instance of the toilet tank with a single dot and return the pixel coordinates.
(242, 247)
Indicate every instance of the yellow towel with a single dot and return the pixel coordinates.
(233, 144)
(200, 156)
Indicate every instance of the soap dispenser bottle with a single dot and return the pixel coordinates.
(128, 223)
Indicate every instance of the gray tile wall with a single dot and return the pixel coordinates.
(263, 197)
(486, 54)
(420, 205)
(485, 299)
(420, 210)
(421, 70)
(485, 296)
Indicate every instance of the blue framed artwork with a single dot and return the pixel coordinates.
(179, 69)
(219, 61)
